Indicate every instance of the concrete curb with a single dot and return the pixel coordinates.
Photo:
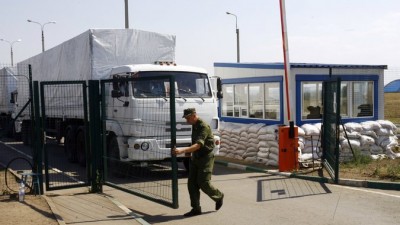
(345, 182)
(53, 208)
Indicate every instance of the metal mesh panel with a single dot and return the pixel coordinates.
(138, 158)
(331, 121)
(63, 110)
(14, 100)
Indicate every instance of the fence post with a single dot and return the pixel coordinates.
(38, 140)
(95, 131)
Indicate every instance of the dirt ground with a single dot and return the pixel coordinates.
(35, 209)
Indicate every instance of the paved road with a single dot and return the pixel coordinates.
(257, 198)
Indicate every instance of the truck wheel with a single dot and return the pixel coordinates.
(80, 147)
(114, 166)
(70, 144)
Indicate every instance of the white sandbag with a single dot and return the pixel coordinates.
(239, 157)
(240, 152)
(273, 144)
(263, 155)
(252, 149)
(252, 144)
(300, 132)
(221, 153)
(387, 124)
(384, 132)
(249, 154)
(301, 145)
(352, 135)
(318, 126)
(352, 126)
(308, 156)
(354, 143)
(261, 160)
(250, 159)
(274, 150)
(387, 140)
(263, 149)
(370, 125)
(252, 135)
(271, 163)
(267, 137)
(263, 144)
(375, 149)
(312, 143)
(244, 135)
(378, 156)
(370, 133)
(366, 140)
(310, 149)
(271, 129)
(310, 129)
(301, 139)
(273, 156)
(230, 155)
(255, 127)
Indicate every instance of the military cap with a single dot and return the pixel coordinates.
(188, 112)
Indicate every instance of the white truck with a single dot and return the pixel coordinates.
(8, 87)
(114, 54)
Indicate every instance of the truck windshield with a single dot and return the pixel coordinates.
(187, 85)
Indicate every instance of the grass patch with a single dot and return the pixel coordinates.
(369, 169)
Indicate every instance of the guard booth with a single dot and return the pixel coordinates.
(288, 148)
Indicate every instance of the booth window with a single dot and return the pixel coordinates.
(357, 99)
(363, 98)
(252, 100)
(312, 100)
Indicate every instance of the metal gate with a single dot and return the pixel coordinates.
(64, 124)
(139, 130)
(330, 129)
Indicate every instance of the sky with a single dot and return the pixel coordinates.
(319, 31)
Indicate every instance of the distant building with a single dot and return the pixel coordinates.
(392, 87)
(254, 92)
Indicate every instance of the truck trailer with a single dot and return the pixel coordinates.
(118, 54)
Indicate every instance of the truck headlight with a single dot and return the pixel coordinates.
(145, 146)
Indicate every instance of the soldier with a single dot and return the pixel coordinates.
(202, 163)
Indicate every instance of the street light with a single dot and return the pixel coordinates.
(11, 46)
(237, 37)
(42, 27)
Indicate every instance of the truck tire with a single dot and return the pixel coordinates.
(70, 143)
(114, 166)
(80, 146)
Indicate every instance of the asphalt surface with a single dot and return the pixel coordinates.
(251, 197)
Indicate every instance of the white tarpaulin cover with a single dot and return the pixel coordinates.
(90, 56)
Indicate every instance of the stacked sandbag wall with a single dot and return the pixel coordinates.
(259, 143)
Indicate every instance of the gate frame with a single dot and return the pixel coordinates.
(43, 127)
(174, 182)
(331, 161)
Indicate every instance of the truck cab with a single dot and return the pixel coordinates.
(128, 101)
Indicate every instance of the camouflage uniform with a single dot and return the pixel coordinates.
(201, 165)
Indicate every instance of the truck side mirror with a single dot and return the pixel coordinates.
(13, 98)
(116, 93)
(219, 88)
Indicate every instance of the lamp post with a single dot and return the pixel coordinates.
(42, 27)
(126, 15)
(11, 46)
(237, 37)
